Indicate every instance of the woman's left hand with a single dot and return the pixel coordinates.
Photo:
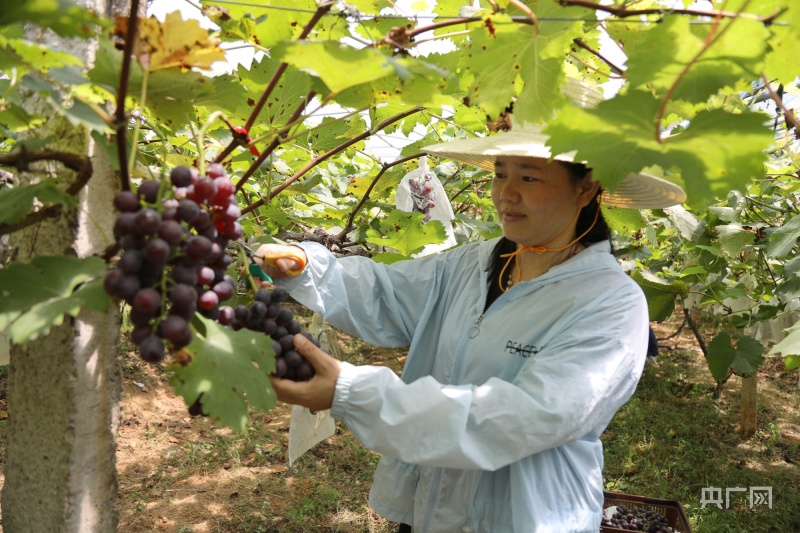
(317, 393)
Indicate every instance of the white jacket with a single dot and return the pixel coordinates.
(494, 426)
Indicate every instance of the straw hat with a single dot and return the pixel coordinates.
(637, 191)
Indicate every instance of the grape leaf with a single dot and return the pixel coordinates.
(338, 66)
(660, 295)
(510, 60)
(230, 369)
(783, 240)
(785, 44)
(37, 295)
(659, 59)
(405, 232)
(743, 359)
(622, 220)
(733, 238)
(62, 16)
(16, 203)
(173, 43)
(719, 151)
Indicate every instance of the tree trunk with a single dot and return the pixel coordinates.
(64, 388)
(749, 406)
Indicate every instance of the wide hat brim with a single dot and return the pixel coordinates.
(636, 191)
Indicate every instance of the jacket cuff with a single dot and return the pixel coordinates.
(341, 395)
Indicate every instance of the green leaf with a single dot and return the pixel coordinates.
(37, 295)
(743, 360)
(780, 64)
(784, 239)
(338, 66)
(622, 220)
(406, 233)
(733, 238)
(62, 16)
(16, 203)
(719, 151)
(509, 60)
(230, 369)
(660, 295)
(659, 60)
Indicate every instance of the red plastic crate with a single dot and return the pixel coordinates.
(671, 510)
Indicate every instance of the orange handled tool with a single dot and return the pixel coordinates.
(292, 252)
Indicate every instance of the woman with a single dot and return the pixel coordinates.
(521, 349)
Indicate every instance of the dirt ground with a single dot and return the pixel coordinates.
(181, 474)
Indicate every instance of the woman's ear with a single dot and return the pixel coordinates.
(587, 190)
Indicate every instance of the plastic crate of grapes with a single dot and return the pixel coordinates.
(642, 514)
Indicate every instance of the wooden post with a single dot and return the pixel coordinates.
(749, 406)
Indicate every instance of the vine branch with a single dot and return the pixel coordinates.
(385, 166)
(120, 117)
(20, 159)
(788, 114)
(319, 159)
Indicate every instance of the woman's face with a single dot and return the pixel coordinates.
(536, 200)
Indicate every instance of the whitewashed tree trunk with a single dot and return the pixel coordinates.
(64, 389)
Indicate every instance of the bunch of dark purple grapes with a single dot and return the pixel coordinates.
(174, 260)
(422, 196)
(267, 315)
(637, 520)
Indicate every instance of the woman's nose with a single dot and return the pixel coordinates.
(509, 192)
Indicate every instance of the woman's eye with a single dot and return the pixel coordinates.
(499, 176)
(529, 178)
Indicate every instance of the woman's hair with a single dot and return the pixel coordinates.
(600, 232)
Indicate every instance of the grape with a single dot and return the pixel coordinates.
(215, 170)
(225, 315)
(123, 224)
(263, 296)
(129, 242)
(183, 295)
(202, 221)
(147, 301)
(205, 275)
(240, 313)
(280, 331)
(157, 250)
(128, 286)
(273, 309)
(152, 349)
(140, 333)
(208, 300)
(305, 371)
(204, 188)
(188, 211)
(293, 358)
(196, 409)
(233, 231)
(284, 317)
(197, 248)
(149, 191)
(184, 274)
(127, 202)
(279, 295)
(174, 328)
(171, 231)
(280, 367)
(131, 261)
(294, 327)
(111, 283)
(146, 222)
(286, 342)
(224, 290)
(181, 176)
(269, 326)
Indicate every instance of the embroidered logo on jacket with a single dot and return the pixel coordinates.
(517, 348)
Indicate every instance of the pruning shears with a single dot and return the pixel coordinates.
(271, 259)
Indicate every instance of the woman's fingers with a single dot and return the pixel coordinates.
(280, 261)
(317, 393)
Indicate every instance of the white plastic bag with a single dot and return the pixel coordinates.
(307, 429)
(421, 191)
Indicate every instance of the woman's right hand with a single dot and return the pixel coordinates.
(280, 261)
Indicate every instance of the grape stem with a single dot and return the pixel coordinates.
(121, 118)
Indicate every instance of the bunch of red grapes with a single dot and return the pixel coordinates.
(639, 519)
(174, 259)
(267, 315)
(423, 197)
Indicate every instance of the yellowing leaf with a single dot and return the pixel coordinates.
(173, 43)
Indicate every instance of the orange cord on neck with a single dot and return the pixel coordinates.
(541, 249)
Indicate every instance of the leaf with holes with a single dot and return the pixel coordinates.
(743, 359)
(229, 368)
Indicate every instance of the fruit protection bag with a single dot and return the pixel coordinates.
(421, 191)
(306, 428)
